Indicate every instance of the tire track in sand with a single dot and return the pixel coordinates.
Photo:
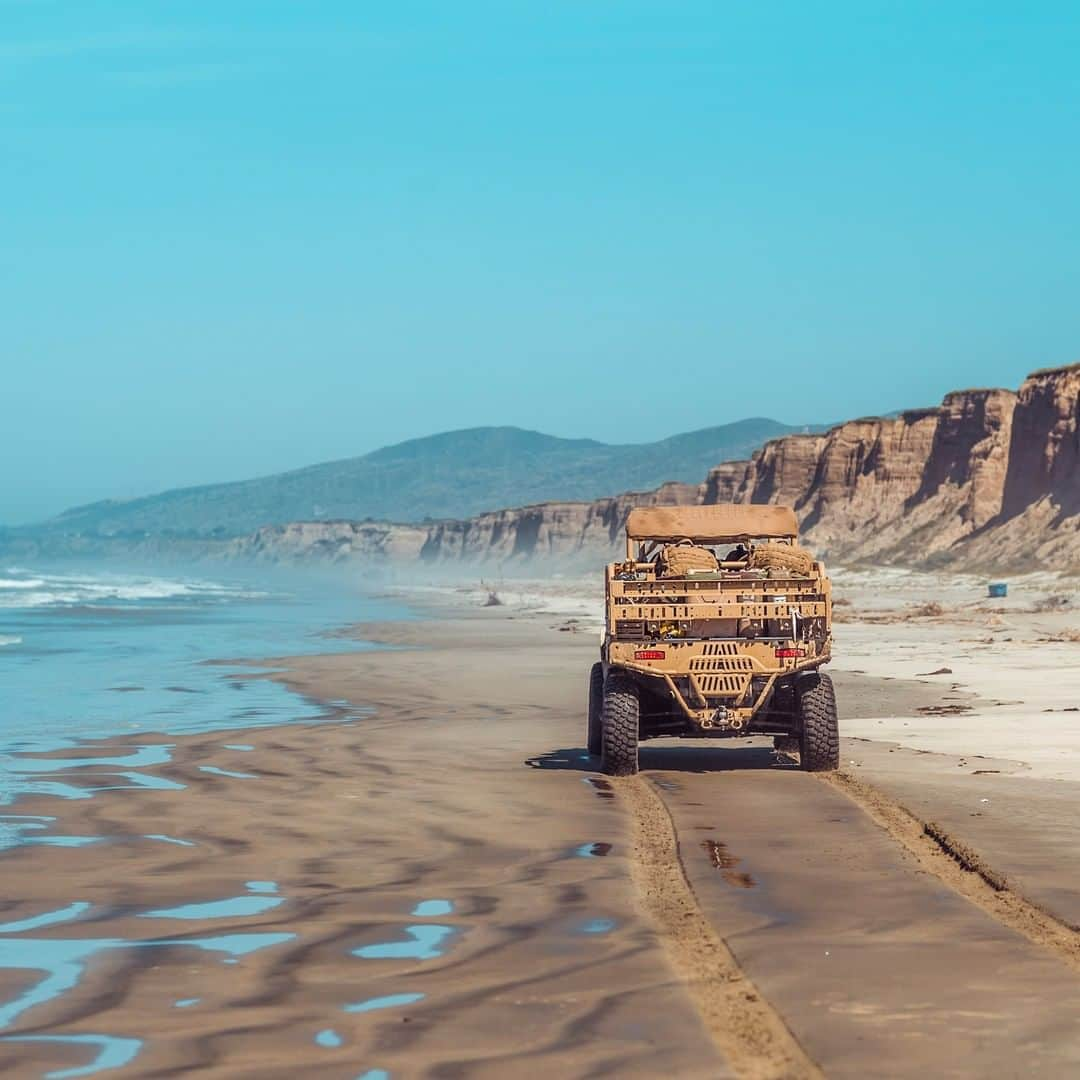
(960, 869)
(747, 1030)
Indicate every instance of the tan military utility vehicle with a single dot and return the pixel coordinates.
(717, 626)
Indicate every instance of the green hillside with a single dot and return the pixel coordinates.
(452, 475)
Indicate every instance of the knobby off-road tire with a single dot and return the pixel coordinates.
(819, 737)
(619, 724)
(594, 735)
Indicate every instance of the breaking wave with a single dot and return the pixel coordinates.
(19, 590)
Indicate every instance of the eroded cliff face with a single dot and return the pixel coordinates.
(1045, 453)
(904, 488)
(566, 531)
(1039, 520)
(554, 530)
(990, 478)
(334, 540)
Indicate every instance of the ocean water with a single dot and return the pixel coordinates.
(88, 654)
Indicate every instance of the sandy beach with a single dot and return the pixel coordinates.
(446, 887)
(540, 540)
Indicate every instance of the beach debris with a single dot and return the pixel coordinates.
(1051, 602)
(596, 850)
(718, 855)
(944, 710)
(931, 609)
(997, 589)
(940, 671)
(725, 862)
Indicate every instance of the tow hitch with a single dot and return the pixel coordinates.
(724, 719)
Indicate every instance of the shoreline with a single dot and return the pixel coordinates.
(396, 918)
(416, 863)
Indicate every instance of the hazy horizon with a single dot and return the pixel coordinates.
(300, 467)
(244, 239)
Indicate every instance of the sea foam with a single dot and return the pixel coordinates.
(91, 590)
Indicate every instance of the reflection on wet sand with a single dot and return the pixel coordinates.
(48, 918)
(390, 1001)
(235, 907)
(227, 772)
(114, 1052)
(64, 960)
(433, 908)
(340, 908)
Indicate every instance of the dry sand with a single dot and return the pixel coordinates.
(1012, 685)
(464, 896)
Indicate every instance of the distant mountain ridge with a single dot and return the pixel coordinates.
(455, 474)
(988, 481)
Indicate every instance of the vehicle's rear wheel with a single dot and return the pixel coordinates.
(819, 736)
(619, 726)
(594, 738)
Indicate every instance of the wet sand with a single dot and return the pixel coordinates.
(462, 895)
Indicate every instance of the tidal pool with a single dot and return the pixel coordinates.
(423, 944)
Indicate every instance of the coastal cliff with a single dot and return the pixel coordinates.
(903, 489)
(989, 478)
(562, 530)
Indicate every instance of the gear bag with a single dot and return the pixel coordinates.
(681, 560)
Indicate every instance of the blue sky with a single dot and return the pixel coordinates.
(248, 235)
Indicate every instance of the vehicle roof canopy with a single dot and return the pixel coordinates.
(710, 524)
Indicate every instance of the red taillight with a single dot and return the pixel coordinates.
(650, 654)
(787, 654)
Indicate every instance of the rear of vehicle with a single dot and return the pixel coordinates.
(717, 625)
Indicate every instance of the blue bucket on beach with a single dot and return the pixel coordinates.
(998, 589)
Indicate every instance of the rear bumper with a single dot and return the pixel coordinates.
(717, 684)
